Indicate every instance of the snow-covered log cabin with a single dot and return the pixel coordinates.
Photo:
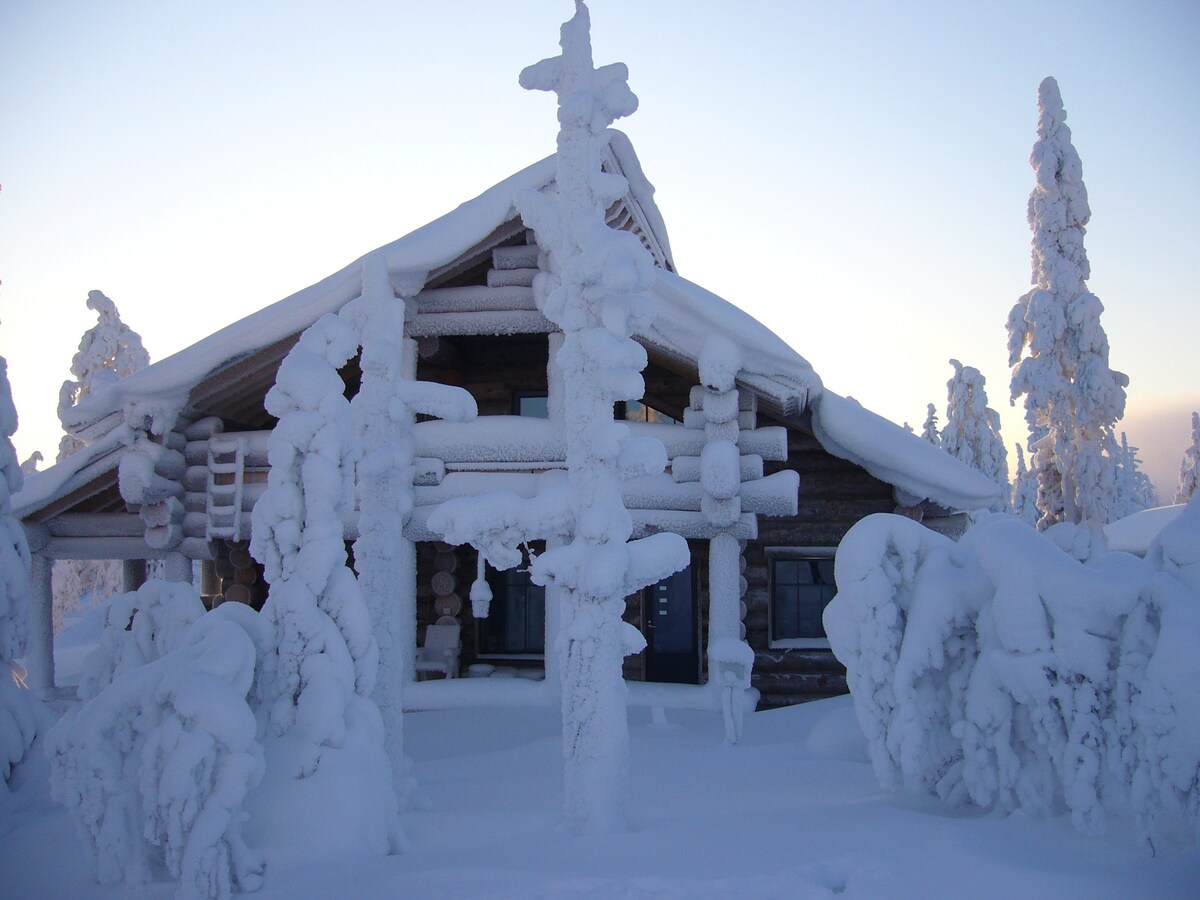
(176, 457)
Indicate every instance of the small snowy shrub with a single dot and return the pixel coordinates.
(155, 766)
(139, 627)
(1027, 671)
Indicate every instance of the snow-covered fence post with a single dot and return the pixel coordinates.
(384, 412)
(1072, 398)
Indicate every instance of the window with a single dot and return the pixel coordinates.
(530, 404)
(636, 411)
(801, 585)
(516, 622)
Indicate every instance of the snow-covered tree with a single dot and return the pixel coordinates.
(1002, 671)
(1132, 489)
(594, 290)
(108, 351)
(930, 430)
(972, 431)
(30, 465)
(1024, 491)
(21, 714)
(156, 764)
(1189, 468)
(322, 659)
(1072, 398)
(384, 410)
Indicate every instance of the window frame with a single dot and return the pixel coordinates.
(791, 553)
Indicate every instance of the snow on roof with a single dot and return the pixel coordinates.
(89, 461)
(687, 315)
(896, 456)
(1135, 533)
(162, 387)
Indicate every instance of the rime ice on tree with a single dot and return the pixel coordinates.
(385, 560)
(1189, 468)
(1072, 398)
(1132, 488)
(930, 430)
(108, 351)
(972, 431)
(594, 290)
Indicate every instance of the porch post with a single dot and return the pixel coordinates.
(724, 590)
(40, 653)
(133, 574)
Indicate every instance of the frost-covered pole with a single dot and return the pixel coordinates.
(1072, 398)
(593, 292)
(384, 559)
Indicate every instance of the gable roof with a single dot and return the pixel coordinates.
(687, 315)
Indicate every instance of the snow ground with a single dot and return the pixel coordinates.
(793, 811)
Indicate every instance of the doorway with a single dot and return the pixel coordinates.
(670, 624)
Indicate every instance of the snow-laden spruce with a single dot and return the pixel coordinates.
(1026, 671)
(1056, 344)
(108, 351)
(156, 764)
(972, 431)
(22, 716)
(384, 410)
(929, 431)
(1024, 491)
(1132, 489)
(1189, 467)
(594, 287)
(324, 656)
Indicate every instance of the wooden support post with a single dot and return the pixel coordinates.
(177, 568)
(40, 653)
(133, 574)
(724, 590)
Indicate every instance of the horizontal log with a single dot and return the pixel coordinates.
(485, 322)
(96, 525)
(99, 548)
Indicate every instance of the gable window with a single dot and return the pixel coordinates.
(800, 581)
(516, 622)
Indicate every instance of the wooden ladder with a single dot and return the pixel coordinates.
(226, 464)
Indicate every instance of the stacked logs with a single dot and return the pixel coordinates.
(240, 577)
(447, 604)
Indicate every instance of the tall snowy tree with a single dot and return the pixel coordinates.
(972, 432)
(21, 716)
(594, 291)
(930, 430)
(1024, 491)
(1072, 398)
(384, 409)
(1132, 489)
(108, 351)
(1189, 468)
(599, 277)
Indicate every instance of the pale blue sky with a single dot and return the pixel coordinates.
(853, 174)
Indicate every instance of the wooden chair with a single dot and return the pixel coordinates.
(440, 652)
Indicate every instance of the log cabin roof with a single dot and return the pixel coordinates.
(228, 373)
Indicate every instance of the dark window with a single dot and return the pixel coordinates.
(532, 405)
(516, 622)
(801, 587)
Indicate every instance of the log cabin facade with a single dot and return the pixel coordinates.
(177, 457)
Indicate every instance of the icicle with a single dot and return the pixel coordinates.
(481, 592)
